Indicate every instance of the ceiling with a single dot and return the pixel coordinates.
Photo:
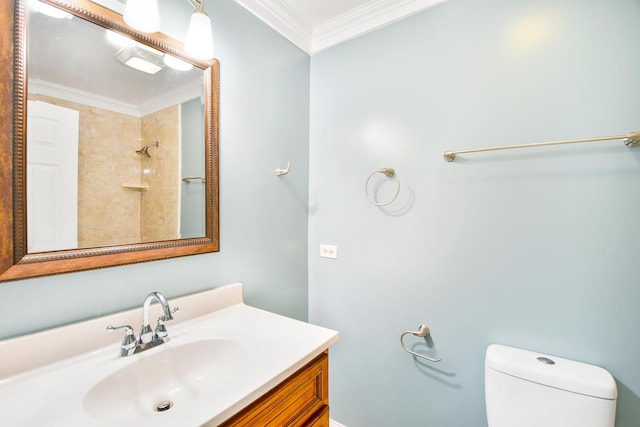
(315, 25)
(73, 59)
(312, 25)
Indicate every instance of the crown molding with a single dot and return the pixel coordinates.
(283, 19)
(160, 102)
(55, 90)
(364, 19)
(351, 24)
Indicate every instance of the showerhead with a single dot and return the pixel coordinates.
(144, 151)
(632, 139)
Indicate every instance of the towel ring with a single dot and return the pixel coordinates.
(423, 331)
(389, 172)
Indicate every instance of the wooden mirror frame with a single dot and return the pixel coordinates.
(15, 262)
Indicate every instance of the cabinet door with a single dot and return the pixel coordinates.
(300, 400)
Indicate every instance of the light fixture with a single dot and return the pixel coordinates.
(143, 15)
(141, 59)
(199, 42)
(121, 42)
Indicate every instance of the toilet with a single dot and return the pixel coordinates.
(528, 389)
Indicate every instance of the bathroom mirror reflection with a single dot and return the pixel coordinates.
(113, 127)
(139, 179)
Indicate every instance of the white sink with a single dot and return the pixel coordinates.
(213, 366)
(167, 377)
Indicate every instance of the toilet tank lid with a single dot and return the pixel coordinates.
(564, 374)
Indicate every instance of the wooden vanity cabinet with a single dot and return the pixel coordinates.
(300, 400)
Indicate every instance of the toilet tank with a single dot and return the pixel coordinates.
(529, 389)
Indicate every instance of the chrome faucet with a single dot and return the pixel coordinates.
(148, 338)
(146, 334)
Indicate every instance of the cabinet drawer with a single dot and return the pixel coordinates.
(297, 401)
(321, 419)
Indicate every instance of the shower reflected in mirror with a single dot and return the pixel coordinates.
(144, 151)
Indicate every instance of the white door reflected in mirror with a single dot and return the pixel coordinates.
(52, 177)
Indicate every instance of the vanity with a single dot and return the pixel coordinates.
(226, 364)
(221, 361)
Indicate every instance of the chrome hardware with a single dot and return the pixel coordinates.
(146, 334)
(389, 173)
(193, 178)
(129, 342)
(165, 405)
(148, 338)
(161, 330)
(631, 139)
(423, 331)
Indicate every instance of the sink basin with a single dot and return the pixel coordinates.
(166, 377)
(217, 362)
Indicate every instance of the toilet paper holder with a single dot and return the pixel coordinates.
(423, 331)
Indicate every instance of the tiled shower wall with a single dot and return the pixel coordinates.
(160, 205)
(107, 158)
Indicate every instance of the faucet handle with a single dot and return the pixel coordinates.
(129, 342)
(170, 317)
(161, 329)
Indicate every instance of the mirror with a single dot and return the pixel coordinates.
(114, 133)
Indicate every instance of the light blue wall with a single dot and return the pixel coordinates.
(192, 145)
(536, 249)
(263, 219)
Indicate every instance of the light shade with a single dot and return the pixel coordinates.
(142, 15)
(199, 43)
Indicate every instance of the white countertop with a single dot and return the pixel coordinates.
(273, 348)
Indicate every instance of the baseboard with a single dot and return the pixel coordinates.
(333, 423)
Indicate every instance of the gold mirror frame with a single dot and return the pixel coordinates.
(15, 262)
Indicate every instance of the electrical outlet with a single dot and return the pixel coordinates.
(329, 251)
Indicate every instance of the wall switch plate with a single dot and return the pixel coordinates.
(329, 251)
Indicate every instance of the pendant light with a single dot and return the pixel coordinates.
(143, 15)
(199, 42)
